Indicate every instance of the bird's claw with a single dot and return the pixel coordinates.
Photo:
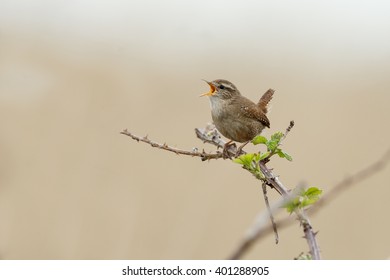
(225, 151)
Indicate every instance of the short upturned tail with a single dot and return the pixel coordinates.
(265, 99)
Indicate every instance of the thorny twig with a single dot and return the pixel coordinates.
(210, 135)
(194, 153)
(260, 229)
(274, 182)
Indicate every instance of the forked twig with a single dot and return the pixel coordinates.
(210, 135)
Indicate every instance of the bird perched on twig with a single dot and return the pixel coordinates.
(235, 116)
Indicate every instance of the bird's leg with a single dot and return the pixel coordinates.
(239, 150)
(225, 151)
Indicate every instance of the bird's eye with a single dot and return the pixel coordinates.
(221, 86)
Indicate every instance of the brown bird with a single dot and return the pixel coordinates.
(235, 116)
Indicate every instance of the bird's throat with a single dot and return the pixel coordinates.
(218, 106)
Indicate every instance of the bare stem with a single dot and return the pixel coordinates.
(203, 155)
(271, 216)
(309, 234)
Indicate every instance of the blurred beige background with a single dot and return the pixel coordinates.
(73, 74)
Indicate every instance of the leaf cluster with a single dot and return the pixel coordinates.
(303, 198)
(250, 161)
(272, 145)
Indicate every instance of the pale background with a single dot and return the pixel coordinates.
(73, 74)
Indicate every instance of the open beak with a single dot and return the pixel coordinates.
(212, 89)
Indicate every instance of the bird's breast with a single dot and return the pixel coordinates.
(218, 107)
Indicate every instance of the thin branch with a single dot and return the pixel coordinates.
(203, 155)
(259, 229)
(271, 216)
(210, 135)
(290, 126)
(310, 235)
(349, 181)
(272, 180)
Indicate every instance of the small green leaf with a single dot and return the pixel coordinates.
(259, 139)
(238, 160)
(280, 153)
(287, 156)
(304, 198)
(283, 154)
(272, 145)
(277, 136)
(263, 156)
(292, 204)
(312, 194)
(313, 191)
(274, 142)
(303, 256)
(290, 207)
(245, 160)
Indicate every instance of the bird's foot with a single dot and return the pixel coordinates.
(225, 151)
(239, 150)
